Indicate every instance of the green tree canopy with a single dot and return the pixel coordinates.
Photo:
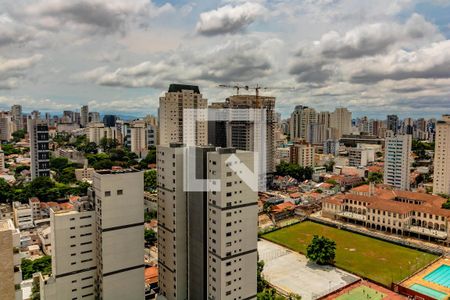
(29, 267)
(150, 180)
(321, 250)
(375, 177)
(295, 171)
(150, 237)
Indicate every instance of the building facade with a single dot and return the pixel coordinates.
(203, 237)
(39, 148)
(10, 272)
(341, 121)
(441, 183)
(300, 122)
(171, 106)
(98, 246)
(397, 161)
(302, 154)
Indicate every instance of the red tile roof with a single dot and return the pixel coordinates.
(283, 206)
(151, 275)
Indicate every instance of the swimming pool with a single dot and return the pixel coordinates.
(428, 291)
(440, 276)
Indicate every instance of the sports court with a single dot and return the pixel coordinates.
(291, 272)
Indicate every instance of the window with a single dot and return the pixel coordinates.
(107, 193)
(119, 192)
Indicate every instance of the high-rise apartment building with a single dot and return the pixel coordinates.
(206, 240)
(109, 120)
(10, 272)
(341, 121)
(302, 154)
(331, 147)
(441, 183)
(98, 131)
(7, 127)
(139, 138)
(94, 117)
(247, 135)
(392, 123)
(2, 160)
(39, 148)
(300, 120)
(16, 113)
(84, 116)
(98, 246)
(360, 156)
(171, 106)
(397, 161)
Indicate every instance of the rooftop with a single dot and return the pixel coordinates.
(176, 88)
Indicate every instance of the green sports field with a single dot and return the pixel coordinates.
(362, 293)
(377, 260)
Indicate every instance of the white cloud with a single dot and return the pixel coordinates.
(229, 18)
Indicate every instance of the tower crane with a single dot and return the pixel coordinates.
(257, 88)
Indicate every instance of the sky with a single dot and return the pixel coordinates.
(374, 57)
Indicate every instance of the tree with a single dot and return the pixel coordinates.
(58, 163)
(148, 216)
(295, 171)
(103, 164)
(108, 144)
(260, 282)
(329, 165)
(40, 187)
(321, 250)
(150, 180)
(5, 191)
(42, 264)
(375, 177)
(150, 237)
(18, 135)
(19, 169)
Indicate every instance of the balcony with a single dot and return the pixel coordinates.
(352, 215)
(429, 232)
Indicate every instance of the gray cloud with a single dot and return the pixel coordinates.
(12, 70)
(337, 55)
(96, 16)
(237, 60)
(229, 19)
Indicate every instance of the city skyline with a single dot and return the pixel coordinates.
(373, 58)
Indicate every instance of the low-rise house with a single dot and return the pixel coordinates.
(23, 215)
(282, 211)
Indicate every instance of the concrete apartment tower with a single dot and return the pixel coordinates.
(300, 120)
(2, 160)
(139, 138)
(84, 116)
(397, 161)
(10, 272)
(171, 106)
(341, 121)
(201, 241)
(441, 182)
(39, 148)
(242, 134)
(16, 113)
(98, 245)
(302, 154)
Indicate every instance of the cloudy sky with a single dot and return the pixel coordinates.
(375, 57)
